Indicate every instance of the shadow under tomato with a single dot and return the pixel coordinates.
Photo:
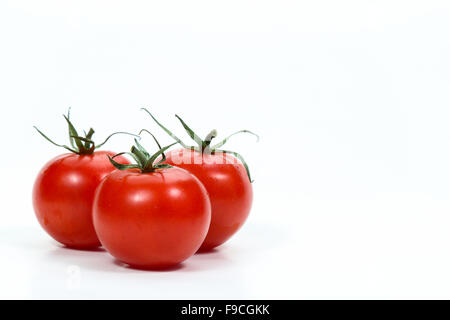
(89, 249)
(207, 251)
(154, 269)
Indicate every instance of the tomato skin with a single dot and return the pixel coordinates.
(151, 220)
(63, 194)
(228, 186)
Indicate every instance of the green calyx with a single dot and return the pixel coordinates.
(204, 145)
(82, 145)
(144, 160)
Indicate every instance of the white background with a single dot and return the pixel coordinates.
(352, 172)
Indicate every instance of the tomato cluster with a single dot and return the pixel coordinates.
(153, 213)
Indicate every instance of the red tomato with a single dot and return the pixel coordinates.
(225, 175)
(63, 194)
(151, 219)
(228, 186)
(64, 189)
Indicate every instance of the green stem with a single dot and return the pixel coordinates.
(144, 160)
(204, 145)
(79, 144)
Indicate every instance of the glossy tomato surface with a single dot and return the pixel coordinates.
(228, 186)
(151, 220)
(63, 195)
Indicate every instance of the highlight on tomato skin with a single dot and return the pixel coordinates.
(149, 214)
(64, 189)
(225, 175)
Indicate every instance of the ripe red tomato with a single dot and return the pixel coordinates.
(63, 194)
(228, 186)
(152, 217)
(225, 176)
(64, 189)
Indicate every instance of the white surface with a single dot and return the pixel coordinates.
(351, 99)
